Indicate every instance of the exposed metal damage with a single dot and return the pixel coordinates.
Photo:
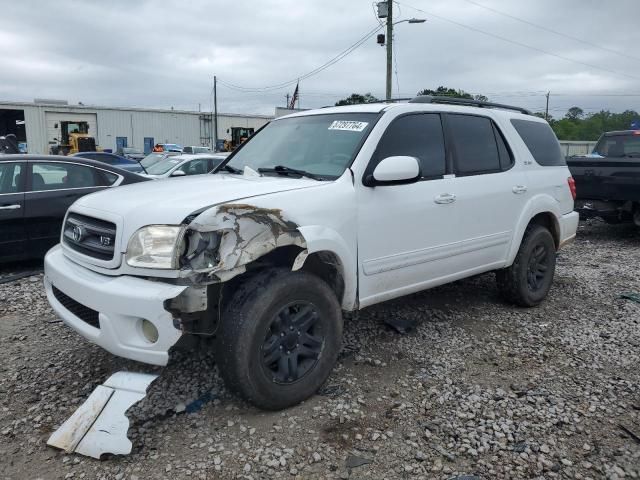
(100, 425)
(225, 239)
(221, 243)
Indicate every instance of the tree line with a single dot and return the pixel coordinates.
(574, 125)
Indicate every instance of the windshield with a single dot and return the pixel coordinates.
(163, 166)
(323, 145)
(152, 159)
(130, 150)
(624, 145)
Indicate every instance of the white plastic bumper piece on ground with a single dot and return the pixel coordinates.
(122, 303)
(100, 425)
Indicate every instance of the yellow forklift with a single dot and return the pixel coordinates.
(74, 138)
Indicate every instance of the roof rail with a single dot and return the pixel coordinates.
(466, 101)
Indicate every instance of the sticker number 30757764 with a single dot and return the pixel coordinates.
(348, 125)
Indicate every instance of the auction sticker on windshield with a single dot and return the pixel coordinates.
(348, 125)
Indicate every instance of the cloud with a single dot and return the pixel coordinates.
(164, 53)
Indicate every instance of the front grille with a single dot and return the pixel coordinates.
(85, 314)
(90, 236)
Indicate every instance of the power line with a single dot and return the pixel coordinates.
(524, 45)
(550, 30)
(315, 71)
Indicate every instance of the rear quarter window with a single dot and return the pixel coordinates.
(541, 142)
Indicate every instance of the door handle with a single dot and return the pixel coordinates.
(445, 198)
(10, 207)
(518, 189)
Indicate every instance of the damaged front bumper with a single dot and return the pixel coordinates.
(121, 305)
(100, 425)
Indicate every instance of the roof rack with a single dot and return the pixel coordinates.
(466, 101)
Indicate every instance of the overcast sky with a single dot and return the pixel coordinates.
(164, 53)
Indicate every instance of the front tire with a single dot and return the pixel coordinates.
(281, 333)
(527, 281)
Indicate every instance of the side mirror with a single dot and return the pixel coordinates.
(394, 170)
(178, 173)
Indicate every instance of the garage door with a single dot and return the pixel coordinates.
(54, 118)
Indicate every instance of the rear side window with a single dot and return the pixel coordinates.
(475, 144)
(420, 136)
(541, 142)
(11, 178)
(58, 176)
(105, 179)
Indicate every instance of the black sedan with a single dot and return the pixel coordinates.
(35, 192)
(113, 160)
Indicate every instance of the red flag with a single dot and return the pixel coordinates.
(292, 104)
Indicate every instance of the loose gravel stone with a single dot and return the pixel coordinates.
(478, 389)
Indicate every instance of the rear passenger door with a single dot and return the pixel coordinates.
(490, 190)
(12, 225)
(52, 188)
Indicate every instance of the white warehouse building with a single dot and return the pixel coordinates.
(38, 125)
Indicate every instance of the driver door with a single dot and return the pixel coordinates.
(407, 233)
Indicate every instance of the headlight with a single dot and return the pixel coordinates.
(155, 246)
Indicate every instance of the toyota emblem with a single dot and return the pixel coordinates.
(78, 233)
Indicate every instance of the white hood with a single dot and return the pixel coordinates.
(171, 201)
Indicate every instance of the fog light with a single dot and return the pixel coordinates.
(149, 331)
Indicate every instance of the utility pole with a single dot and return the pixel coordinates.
(215, 113)
(287, 100)
(546, 111)
(389, 45)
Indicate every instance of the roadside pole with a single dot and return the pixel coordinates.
(546, 111)
(215, 113)
(389, 45)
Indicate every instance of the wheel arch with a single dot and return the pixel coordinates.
(541, 210)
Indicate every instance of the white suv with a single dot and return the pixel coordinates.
(318, 214)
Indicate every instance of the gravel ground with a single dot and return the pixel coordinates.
(480, 389)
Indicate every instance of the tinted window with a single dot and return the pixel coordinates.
(105, 179)
(11, 177)
(506, 158)
(419, 136)
(55, 176)
(619, 146)
(541, 142)
(476, 147)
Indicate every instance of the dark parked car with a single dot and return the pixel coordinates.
(113, 160)
(35, 192)
(131, 153)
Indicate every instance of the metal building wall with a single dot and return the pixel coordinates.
(164, 126)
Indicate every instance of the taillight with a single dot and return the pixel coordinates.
(572, 186)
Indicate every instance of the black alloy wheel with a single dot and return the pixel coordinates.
(538, 267)
(293, 343)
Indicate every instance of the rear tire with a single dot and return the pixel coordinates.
(281, 333)
(527, 281)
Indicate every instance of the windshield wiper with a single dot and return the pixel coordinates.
(283, 170)
(231, 169)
